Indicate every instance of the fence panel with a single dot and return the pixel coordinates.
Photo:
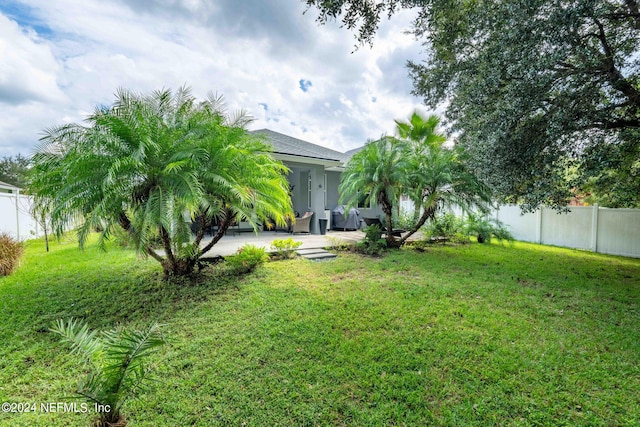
(18, 222)
(571, 229)
(619, 232)
(604, 230)
(522, 227)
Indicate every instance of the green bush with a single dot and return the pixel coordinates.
(486, 228)
(246, 259)
(285, 248)
(115, 361)
(10, 253)
(404, 220)
(445, 225)
(373, 244)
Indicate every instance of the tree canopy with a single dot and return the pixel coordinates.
(14, 170)
(533, 88)
(159, 166)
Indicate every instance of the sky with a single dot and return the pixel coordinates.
(60, 59)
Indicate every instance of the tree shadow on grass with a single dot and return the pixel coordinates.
(104, 293)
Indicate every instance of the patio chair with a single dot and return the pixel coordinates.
(302, 224)
(397, 232)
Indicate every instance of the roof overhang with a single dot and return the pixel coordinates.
(329, 164)
(335, 169)
(9, 187)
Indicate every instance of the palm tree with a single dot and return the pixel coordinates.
(379, 173)
(116, 361)
(418, 165)
(420, 134)
(420, 131)
(439, 177)
(152, 164)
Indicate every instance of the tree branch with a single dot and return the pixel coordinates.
(125, 223)
(222, 228)
(166, 243)
(615, 77)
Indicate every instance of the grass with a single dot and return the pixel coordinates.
(478, 335)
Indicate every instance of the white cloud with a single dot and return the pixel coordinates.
(255, 54)
(28, 71)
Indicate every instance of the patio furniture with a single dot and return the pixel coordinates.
(302, 224)
(397, 232)
(286, 228)
(348, 222)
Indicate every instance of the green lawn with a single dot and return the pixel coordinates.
(476, 335)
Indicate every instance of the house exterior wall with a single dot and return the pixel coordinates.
(333, 196)
(301, 198)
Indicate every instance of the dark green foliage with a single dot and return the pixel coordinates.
(246, 259)
(285, 248)
(15, 170)
(445, 225)
(10, 254)
(117, 361)
(532, 87)
(614, 172)
(373, 244)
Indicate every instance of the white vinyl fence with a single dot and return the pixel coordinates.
(16, 218)
(603, 230)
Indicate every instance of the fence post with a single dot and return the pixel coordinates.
(539, 225)
(594, 228)
(18, 215)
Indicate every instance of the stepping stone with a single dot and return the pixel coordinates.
(316, 254)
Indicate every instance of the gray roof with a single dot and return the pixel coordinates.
(284, 144)
(349, 154)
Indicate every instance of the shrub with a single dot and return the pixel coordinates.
(116, 365)
(246, 259)
(444, 225)
(373, 244)
(404, 220)
(10, 253)
(285, 248)
(484, 229)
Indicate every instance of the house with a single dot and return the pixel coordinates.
(314, 175)
(8, 188)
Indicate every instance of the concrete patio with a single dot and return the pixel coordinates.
(230, 243)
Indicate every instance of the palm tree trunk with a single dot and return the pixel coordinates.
(387, 208)
(222, 228)
(429, 213)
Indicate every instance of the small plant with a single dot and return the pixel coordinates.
(373, 244)
(285, 248)
(246, 259)
(484, 229)
(10, 253)
(116, 364)
(337, 243)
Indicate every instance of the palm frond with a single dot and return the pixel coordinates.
(83, 341)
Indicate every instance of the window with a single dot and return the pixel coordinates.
(362, 198)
